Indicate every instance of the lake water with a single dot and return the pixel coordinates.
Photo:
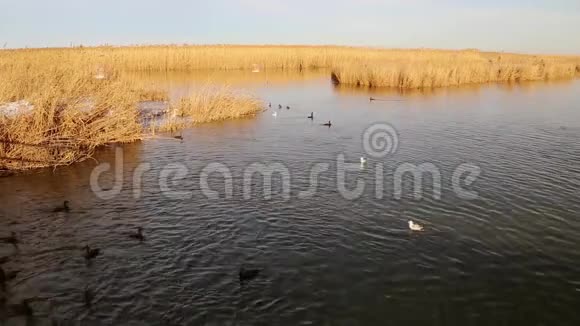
(508, 256)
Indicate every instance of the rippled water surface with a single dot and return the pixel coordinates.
(509, 257)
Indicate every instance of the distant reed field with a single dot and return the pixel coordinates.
(372, 67)
(432, 69)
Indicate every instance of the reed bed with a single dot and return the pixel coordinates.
(209, 104)
(372, 67)
(233, 78)
(453, 69)
(63, 116)
(57, 114)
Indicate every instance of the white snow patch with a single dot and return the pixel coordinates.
(14, 109)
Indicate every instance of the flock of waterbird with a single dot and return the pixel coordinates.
(329, 124)
(413, 226)
(89, 254)
(311, 116)
(23, 308)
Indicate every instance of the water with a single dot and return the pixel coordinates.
(509, 257)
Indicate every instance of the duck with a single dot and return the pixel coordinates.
(287, 107)
(279, 106)
(363, 160)
(275, 114)
(311, 116)
(12, 239)
(270, 105)
(179, 137)
(248, 274)
(91, 253)
(328, 124)
(371, 99)
(415, 227)
(62, 209)
(139, 235)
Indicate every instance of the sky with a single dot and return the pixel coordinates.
(531, 26)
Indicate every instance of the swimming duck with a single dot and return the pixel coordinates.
(270, 105)
(275, 114)
(311, 116)
(328, 124)
(248, 274)
(287, 108)
(62, 209)
(414, 226)
(363, 160)
(139, 235)
(12, 239)
(91, 253)
(180, 137)
(279, 106)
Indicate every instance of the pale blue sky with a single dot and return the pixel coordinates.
(543, 26)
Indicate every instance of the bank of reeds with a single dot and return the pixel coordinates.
(217, 103)
(62, 117)
(419, 68)
(209, 104)
(454, 69)
(58, 114)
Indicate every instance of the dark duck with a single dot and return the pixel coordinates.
(246, 275)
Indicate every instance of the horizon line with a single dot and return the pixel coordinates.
(281, 45)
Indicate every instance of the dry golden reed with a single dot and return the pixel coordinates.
(419, 68)
(431, 69)
(213, 104)
(208, 104)
(63, 109)
(63, 115)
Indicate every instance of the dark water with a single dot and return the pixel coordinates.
(509, 257)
